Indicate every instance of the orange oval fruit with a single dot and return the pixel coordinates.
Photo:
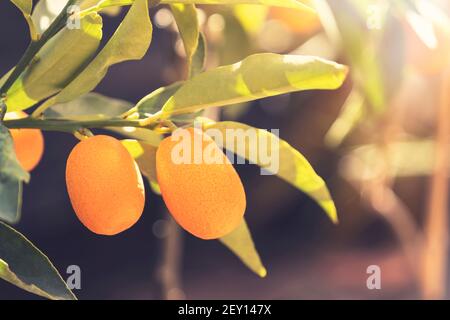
(298, 21)
(207, 199)
(28, 143)
(104, 185)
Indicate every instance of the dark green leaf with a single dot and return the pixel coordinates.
(10, 199)
(25, 266)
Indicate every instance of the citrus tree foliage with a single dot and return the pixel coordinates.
(61, 68)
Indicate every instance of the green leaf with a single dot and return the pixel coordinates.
(26, 267)
(293, 167)
(56, 64)
(26, 6)
(186, 18)
(91, 106)
(292, 4)
(9, 165)
(154, 101)
(145, 156)
(199, 57)
(256, 77)
(11, 177)
(240, 242)
(130, 42)
(10, 199)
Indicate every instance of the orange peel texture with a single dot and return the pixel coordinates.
(206, 199)
(104, 185)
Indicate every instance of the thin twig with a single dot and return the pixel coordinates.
(435, 259)
(71, 125)
(170, 267)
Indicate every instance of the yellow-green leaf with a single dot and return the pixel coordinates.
(154, 101)
(186, 18)
(292, 167)
(25, 266)
(240, 242)
(256, 77)
(145, 156)
(56, 64)
(130, 42)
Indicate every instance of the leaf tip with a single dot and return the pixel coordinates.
(334, 216)
(262, 272)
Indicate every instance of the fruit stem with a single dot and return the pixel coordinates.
(2, 110)
(35, 46)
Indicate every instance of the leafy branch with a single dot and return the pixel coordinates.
(35, 46)
(74, 125)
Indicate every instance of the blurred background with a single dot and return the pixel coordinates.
(381, 143)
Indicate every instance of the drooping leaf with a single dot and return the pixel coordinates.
(91, 106)
(240, 242)
(130, 42)
(26, 6)
(154, 101)
(285, 161)
(57, 63)
(186, 18)
(25, 266)
(256, 77)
